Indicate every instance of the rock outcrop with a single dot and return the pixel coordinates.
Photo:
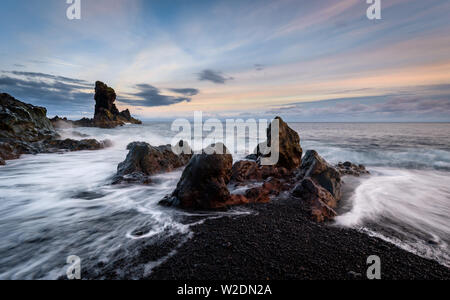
(246, 170)
(144, 160)
(23, 121)
(203, 184)
(25, 129)
(318, 200)
(288, 145)
(321, 172)
(75, 145)
(350, 169)
(106, 113)
(207, 180)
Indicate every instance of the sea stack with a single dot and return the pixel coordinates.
(106, 115)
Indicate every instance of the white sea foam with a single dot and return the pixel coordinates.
(410, 208)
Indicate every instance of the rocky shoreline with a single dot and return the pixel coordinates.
(25, 128)
(288, 235)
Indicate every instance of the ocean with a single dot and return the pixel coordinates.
(53, 206)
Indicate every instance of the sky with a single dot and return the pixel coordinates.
(307, 61)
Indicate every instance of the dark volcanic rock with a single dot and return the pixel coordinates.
(246, 170)
(21, 127)
(61, 123)
(288, 144)
(351, 169)
(203, 184)
(25, 129)
(106, 113)
(144, 160)
(319, 201)
(75, 145)
(315, 167)
(104, 99)
(23, 121)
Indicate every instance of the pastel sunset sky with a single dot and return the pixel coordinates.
(320, 60)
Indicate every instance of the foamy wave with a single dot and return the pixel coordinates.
(407, 207)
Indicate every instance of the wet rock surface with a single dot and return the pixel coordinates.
(207, 181)
(144, 160)
(321, 172)
(25, 122)
(350, 169)
(288, 144)
(203, 184)
(321, 202)
(75, 145)
(247, 170)
(25, 129)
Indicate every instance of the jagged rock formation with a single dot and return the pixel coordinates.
(25, 129)
(321, 172)
(288, 145)
(209, 176)
(106, 113)
(319, 201)
(144, 160)
(203, 184)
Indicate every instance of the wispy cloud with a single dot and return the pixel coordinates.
(47, 89)
(214, 76)
(151, 96)
(259, 67)
(186, 92)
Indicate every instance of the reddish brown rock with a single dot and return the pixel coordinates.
(290, 151)
(316, 168)
(245, 170)
(248, 170)
(319, 201)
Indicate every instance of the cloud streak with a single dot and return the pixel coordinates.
(186, 92)
(213, 76)
(48, 90)
(150, 96)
